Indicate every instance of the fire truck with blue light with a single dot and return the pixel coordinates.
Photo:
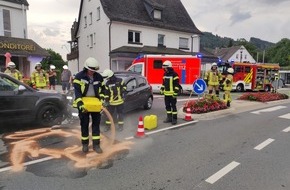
(188, 68)
(252, 76)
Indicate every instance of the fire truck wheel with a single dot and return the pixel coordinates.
(148, 104)
(240, 88)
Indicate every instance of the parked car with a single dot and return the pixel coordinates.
(21, 103)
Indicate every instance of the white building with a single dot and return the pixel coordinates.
(13, 37)
(116, 32)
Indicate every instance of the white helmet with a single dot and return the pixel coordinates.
(38, 64)
(167, 64)
(107, 73)
(230, 70)
(91, 64)
(65, 67)
(52, 67)
(214, 64)
(11, 65)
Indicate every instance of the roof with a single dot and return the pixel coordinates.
(18, 2)
(226, 53)
(20, 46)
(139, 12)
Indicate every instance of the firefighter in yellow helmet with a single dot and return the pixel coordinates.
(213, 78)
(89, 84)
(170, 89)
(39, 78)
(228, 82)
(115, 95)
(12, 71)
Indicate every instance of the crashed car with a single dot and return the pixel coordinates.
(20, 103)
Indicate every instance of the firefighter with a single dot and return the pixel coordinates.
(115, 94)
(39, 78)
(170, 89)
(228, 86)
(12, 71)
(89, 83)
(212, 78)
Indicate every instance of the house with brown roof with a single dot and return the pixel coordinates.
(234, 54)
(14, 44)
(116, 32)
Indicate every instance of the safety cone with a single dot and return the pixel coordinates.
(140, 130)
(188, 115)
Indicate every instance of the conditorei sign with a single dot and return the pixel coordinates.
(16, 46)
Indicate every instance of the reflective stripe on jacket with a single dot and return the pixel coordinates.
(228, 83)
(213, 77)
(115, 89)
(170, 86)
(81, 85)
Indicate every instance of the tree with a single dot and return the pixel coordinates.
(53, 59)
(280, 53)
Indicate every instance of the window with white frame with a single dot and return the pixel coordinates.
(7, 23)
(91, 40)
(161, 39)
(91, 18)
(157, 14)
(98, 13)
(134, 36)
(86, 22)
(183, 43)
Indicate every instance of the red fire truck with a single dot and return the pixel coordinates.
(253, 76)
(186, 66)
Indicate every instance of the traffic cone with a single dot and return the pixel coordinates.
(140, 130)
(188, 115)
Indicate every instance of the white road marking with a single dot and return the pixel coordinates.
(215, 177)
(287, 129)
(269, 109)
(28, 163)
(286, 116)
(264, 144)
(164, 129)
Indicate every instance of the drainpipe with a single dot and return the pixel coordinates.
(110, 24)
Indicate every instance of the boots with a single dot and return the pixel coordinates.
(97, 148)
(228, 103)
(168, 119)
(174, 119)
(85, 148)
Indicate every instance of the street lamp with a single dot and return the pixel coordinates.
(241, 51)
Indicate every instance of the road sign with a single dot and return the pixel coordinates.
(199, 86)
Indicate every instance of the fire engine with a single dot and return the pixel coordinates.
(252, 76)
(188, 68)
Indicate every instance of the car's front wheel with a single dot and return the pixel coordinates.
(148, 104)
(49, 115)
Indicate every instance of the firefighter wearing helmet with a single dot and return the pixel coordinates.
(39, 78)
(12, 71)
(115, 95)
(89, 89)
(170, 89)
(212, 78)
(228, 82)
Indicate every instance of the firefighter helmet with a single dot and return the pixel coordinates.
(107, 73)
(230, 70)
(52, 67)
(167, 64)
(11, 65)
(214, 64)
(38, 64)
(65, 67)
(91, 64)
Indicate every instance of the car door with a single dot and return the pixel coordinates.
(15, 104)
(131, 100)
(143, 89)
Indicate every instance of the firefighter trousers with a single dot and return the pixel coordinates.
(170, 106)
(85, 121)
(227, 96)
(119, 110)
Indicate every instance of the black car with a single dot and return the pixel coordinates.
(139, 92)
(21, 103)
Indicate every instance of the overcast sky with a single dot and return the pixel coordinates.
(50, 21)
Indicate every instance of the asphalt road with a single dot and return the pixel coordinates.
(238, 151)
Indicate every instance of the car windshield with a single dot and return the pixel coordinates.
(7, 85)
